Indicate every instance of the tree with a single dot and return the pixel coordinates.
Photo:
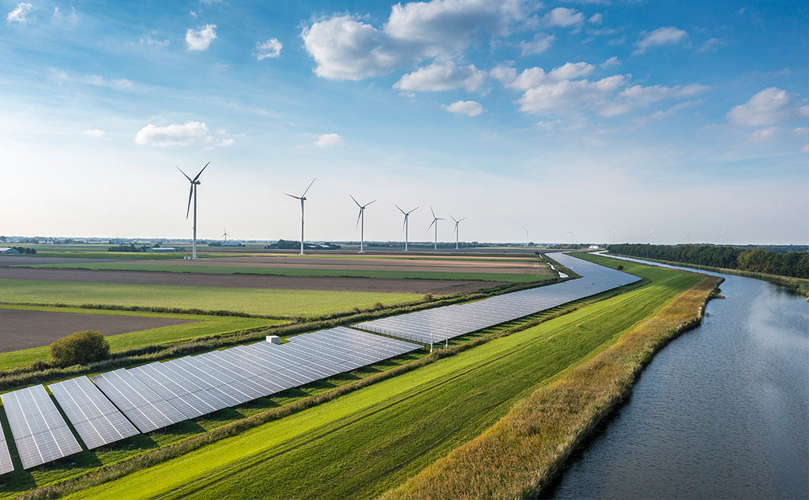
(80, 348)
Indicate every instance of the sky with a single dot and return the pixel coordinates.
(584, 121)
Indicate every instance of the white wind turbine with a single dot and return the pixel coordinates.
(225, 234)
(193, 194)
(651, 235)
(527, 235)
(405, 225)
(457, 223)
(720, 236)
(303, 199)
(613, 236)
(572, 236)
(361, 216)
(435, 223)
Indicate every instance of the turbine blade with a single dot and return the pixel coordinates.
(410, 212)
(370, 202)
(307, 189)
(203, 169)
(453, 218)
(293, 196)
(190, 195)
(463, 219)
(404, 223)
(181, 171)
(397, 206)
(431, 224)
(355, 201)
(358, 218)
(433, 211)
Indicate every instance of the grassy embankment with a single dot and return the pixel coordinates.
(518, 456)
(320, 273)
(372, 439)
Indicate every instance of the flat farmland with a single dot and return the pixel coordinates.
(376, 285)
(22, 329)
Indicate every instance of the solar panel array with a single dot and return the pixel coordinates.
(40, 432)
(439, 324)
(97, 421)
(5, 456)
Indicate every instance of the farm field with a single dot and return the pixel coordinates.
(368, 441)
(266, 302)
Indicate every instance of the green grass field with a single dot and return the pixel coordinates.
(276, 303)
(368, 441)
(323, 273)
(203, 325)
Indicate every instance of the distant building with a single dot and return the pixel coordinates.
(8, 251)
(163, 250)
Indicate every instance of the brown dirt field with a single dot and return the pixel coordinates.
(507, 266)
(21, 329)
(436, 287)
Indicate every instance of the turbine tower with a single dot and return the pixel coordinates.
(720, 237)
(651, 235)
(435, 223)
(613, 236)
(405, 225)
(457, 222)
(361, 216)
(572, 236)
(303, 199)
(193, 194)
(527, 236)
(225, 234)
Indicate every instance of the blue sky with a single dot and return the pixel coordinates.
(684, 119)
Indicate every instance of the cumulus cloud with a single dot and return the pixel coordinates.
(200, 39)
(327, 140)
(569, 95)
(533, 77)
(270, 48)
(186, 134)
(711, 45)
(596, 19)
(347, 48)
(469, 108)
(765, 134)
(442, 76)
(609, 63)
(538, 45)
(94, 133)
(638, 96)
(147, 40)
(771, 106)
(564, 17)
(18, 15)
(668, 35)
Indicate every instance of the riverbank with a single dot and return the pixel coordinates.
(800, 286)
(525, 450)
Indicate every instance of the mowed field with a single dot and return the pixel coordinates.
(374, 439)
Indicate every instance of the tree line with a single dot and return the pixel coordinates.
(792, 264)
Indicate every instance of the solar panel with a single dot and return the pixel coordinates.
(141, 405)
(5, 457)
(40, 432)
(94, 417)
(439, 324)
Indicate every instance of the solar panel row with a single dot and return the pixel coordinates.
(5, 457)
(437, 325)
(97, 421)
(40, 432)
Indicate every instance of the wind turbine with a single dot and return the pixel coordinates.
(613, 236)
(361, 215)
(527, 239)
(303, 199)
(435, 223)
(457, 222)
(225, 234)
(720, 236)
(572, 236)
(405, 224)
(651, 235)
(193, 194)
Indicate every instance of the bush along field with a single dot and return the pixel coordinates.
(389, 427)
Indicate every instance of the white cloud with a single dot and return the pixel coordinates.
(638, 96)
(94, 133)
(567, 95)
(569, 71)
(200, 39)
(805, 148)
(327, 140)
(469, 108)
(771, 106)
(442, 76)
(533, 77)
(596, 19)
(609, 63)
(18, 15)
(147, 40)
(667, 35)
(711, 45)
(765, 134)
(347, 48)
(538, 45)
(270, 48)
(564, 17)
(187, 134)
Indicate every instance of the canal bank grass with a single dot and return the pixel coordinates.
(375, 437)
(519, 455)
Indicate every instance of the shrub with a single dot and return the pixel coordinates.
(428, 297)
(80, 348)
(379, 306)
(620, 267)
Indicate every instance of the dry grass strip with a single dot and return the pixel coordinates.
(521, 453)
